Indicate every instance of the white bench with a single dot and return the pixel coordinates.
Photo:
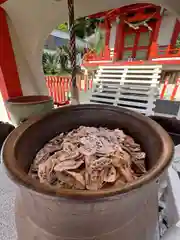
(132, 87)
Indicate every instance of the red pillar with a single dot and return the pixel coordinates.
(164, 88)
(153, 50)
(9, 79)
(175, 90)
(108, 32)
(136, 44)
(119, 42)
(175, 34)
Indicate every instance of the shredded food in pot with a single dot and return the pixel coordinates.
(89, 158)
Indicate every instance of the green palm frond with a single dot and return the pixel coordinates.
(65, 56)
(99, 43)
(64, 53)
(63, 27)
(84, 26)
(51, 63)
(54, 63)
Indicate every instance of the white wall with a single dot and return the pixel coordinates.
(65, 35)
(3, 112)
(28, 79)
(31, 21)
(166, 29)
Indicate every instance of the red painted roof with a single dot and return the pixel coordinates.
(121, 10)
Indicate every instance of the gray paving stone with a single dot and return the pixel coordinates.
(7, 208)
(6, 185)
(7, 197)
(172, 234)
(6, 232)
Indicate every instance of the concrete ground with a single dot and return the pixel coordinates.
(173, 233)
(7, 196)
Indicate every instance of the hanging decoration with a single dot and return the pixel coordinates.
(144, 23)
(74, 93)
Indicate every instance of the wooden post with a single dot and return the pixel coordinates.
(85, 80)
(153, 50)
(175, 34)
(164, 88)
(119, 42)
(173, 95)
(108, 32)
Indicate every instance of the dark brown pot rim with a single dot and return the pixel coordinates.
(31, 99)
(21, 178)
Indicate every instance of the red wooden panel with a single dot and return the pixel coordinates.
(10, 85)
(164, 88)
(175, 89)
(63, 89)
(57, 85)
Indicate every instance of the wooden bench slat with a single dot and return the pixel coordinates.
(104, 94)
(133, 71)
(154, 81)
(96, 98)
(128, 76)
(154, 67)
(129, 91)
(136, 87)
(136, 104)
(144, 98)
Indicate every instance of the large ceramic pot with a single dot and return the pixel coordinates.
(108, 214)
(23, 107)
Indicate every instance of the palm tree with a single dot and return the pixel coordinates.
(65, 55)
(63, 52)
(56, 63)
(83, 27)
(51, 63)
